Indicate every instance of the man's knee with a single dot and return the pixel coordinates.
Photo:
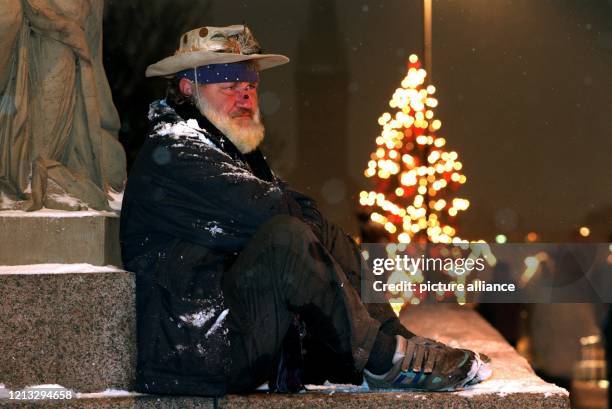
(283, 229)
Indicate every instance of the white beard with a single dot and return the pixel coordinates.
(245, 137)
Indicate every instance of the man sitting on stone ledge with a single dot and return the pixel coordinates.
(239, 279)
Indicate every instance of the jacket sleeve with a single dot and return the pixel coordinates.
(307, 206)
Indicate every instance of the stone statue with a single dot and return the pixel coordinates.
(58, 124)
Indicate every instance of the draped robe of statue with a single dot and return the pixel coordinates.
(58, 124)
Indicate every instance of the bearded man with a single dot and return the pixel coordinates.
(240, 280)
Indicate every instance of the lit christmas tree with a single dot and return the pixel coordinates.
(415, 177)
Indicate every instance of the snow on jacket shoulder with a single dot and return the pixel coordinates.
(191, 204)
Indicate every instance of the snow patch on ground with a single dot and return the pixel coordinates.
(411, 396)
(108, 393)
(338, 387)
(58, 269)
(503, 387)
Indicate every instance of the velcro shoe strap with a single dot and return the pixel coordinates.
(409, 354)
(419, 358)
(431, 360)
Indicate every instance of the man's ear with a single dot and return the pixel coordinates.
(186, 87)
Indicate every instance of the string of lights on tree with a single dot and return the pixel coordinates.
(415, 180)
(415, 177)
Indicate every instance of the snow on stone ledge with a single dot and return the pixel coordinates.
(331, 388)
(59, 213)
(108, 393)
(116, 200)
(58, 269)
(464, 328)
(503, 387)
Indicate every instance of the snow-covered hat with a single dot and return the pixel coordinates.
(215, 45)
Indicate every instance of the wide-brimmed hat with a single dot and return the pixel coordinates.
(215, 45)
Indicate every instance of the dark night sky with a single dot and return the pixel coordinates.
(524, 88)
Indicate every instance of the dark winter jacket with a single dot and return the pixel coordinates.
(191, 203)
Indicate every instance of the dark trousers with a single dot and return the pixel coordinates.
(287, 270)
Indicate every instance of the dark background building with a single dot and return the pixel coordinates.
(524, 87)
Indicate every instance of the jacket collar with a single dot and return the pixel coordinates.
(188, 111)
(163, 110)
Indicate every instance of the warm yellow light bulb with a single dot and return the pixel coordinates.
(421, 139)
(418, 201)
(403, 238)
(408, 159)
(440, 142)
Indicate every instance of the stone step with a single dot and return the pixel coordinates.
(330, 398)
(90, 357)
(71, 324)
(55, 236)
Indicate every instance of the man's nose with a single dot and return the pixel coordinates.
(245, 99)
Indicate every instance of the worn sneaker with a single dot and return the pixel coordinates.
(428, 365)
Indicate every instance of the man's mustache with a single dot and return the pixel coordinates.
(242, 112)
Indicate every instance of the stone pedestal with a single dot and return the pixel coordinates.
(513, 384)
(76, 329)
(53, 236)
(65, 317)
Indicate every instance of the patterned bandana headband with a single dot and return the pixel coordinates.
(215, 73)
